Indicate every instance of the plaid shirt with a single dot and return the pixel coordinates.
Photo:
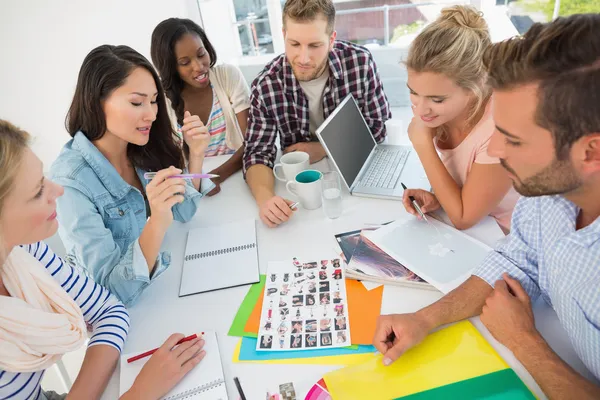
(278, 104)
(549, 257)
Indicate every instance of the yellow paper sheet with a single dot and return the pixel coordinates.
(450, 355)
(350, 359)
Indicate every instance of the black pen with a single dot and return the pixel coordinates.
(239, 388)
(414, 203)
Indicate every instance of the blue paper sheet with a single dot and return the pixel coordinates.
(248, 352)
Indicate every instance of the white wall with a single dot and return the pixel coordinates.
(218, 17)
(43, 44)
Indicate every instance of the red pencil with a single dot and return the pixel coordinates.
(150, 352)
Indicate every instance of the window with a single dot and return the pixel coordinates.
(386, 27)
(253, 24)
(367, 22)
(524, 13)
(256, 24)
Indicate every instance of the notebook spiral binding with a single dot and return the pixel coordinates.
(197, 390)
(219, 252)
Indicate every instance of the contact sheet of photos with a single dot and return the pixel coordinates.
(305, 306)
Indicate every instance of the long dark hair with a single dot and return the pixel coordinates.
(165, 36)
(105, 69)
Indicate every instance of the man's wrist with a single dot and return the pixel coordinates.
(526, 342)
(263, 196)
(428, 318)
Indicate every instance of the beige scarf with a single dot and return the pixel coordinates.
(39, 322)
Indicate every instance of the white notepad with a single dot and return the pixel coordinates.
(204, 382)
(220, 257)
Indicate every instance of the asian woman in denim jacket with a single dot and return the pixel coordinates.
(112, 220)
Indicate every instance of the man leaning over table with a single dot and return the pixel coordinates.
(547, 113)
(298, 90)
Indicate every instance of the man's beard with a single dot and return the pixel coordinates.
(318, 72)
(557, 178)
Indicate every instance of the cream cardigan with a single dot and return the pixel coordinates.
(233, 94)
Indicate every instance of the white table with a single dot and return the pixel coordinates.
(160, 312)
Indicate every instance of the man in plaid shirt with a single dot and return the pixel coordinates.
(547, 113)
(299, 89)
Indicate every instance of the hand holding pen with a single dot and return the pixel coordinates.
(163, 192)
(419, 202)
(166, 367)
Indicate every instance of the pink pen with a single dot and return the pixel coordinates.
(151, 175)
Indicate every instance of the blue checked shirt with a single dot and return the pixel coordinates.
(551, 258)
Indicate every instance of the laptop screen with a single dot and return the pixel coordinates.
(348, 139)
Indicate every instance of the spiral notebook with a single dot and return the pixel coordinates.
(220, 257)
(204, 382)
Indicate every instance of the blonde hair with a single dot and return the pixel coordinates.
(309, 10)
(453, 46)
(13, 142)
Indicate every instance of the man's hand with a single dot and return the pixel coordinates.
(315, 150)
(275, 211)
(397, 333)
(507, 313)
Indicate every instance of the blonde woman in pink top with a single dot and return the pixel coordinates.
(452, 123)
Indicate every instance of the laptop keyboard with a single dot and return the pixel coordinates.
(385, 168)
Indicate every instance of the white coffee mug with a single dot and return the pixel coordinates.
(307, 186)
(292, 164)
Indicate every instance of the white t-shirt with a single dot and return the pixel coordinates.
(313, 90)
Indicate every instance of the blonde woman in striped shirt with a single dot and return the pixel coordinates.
(47, 307)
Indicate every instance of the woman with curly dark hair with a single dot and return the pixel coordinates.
(202, 94)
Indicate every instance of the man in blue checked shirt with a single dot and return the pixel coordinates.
(298, 90)
(546, 107)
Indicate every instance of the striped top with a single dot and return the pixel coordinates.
(217, 128)
(107, 317)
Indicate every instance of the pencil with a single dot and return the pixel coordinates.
(150, 352)
(239, 388)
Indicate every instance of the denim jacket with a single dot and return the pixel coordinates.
(101, 218)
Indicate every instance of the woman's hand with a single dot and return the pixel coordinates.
(419, 134)
(216, 181)
(166, 368)
(426, 201)
(195, 134)
(163, 193)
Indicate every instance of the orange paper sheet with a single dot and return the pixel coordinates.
(253, 322)
(364, 306)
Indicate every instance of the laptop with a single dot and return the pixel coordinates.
(368, 169)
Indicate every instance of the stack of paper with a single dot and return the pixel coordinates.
(363, 306)
(367, 262)
(442, 255)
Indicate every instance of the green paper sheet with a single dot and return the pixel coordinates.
(501, 385)
(240, 319)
